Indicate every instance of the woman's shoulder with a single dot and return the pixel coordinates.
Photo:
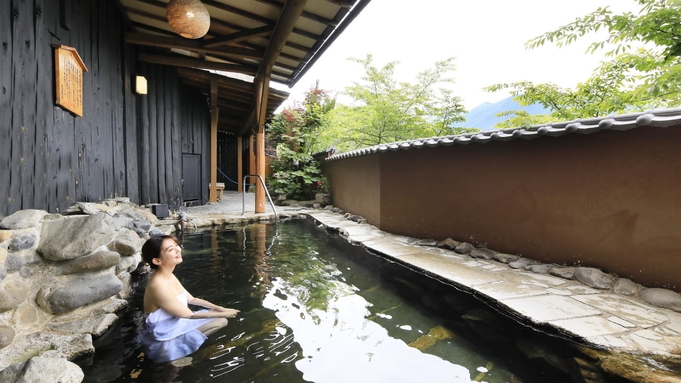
(162, 285)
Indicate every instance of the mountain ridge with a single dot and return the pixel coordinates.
(484, 116)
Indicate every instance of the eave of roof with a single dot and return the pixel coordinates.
(661, 118)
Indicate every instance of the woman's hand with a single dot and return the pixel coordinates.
(228, 313)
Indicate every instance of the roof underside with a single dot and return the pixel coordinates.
(279, 38)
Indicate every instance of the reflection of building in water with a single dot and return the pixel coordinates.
(261, 270)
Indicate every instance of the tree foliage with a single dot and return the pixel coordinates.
(295, 133)
(643, 70)
(387, 111)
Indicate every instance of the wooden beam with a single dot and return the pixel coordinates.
(239, 36)
(187, 62)
(343, 3)
(227, 82)
(287, 20)
(189, 45)
(305, 14)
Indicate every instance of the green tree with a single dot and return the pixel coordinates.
(644, 69)
(388, 111)
(294, 132)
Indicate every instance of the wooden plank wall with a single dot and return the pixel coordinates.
(124, 145)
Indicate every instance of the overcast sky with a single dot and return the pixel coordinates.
(487, 37)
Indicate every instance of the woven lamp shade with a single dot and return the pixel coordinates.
(188, 18)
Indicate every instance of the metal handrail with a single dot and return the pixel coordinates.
(243, 196)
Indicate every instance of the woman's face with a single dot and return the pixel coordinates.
(171, 253)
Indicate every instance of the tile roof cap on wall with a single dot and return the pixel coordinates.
(661, 118)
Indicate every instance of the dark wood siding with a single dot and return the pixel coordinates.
(124, 144)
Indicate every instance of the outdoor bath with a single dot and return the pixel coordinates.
(316, 308)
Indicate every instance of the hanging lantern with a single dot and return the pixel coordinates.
(188, 18)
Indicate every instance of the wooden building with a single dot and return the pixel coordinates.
(204, 108)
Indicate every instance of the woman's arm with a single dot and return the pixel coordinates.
(228, 313)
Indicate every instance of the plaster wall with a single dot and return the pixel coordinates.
(608, 199)
(355, 186)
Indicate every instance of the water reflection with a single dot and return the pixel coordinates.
(315, 308)
(340, 345)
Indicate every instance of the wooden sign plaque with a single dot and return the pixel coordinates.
(68, 74)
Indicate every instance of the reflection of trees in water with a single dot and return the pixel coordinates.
(302, 274)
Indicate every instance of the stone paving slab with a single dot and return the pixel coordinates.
(590, 326)
(440, 265)
(547, 308)
(602, 319)
(598, 318)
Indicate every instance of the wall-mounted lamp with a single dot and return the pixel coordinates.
(140, 85)
(188, 18)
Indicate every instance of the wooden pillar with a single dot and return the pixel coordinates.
(239, 165)
(262, 94)
(251, 156)
(213, 194)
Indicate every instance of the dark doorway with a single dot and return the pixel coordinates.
(227, 160)
(191, 178)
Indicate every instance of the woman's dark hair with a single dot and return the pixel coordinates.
(152, 248)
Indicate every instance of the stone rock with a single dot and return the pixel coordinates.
(563, 272)
(95, 325)
(22, 241)
(329, 207)
(80, 291)
(5, 235)
(39, 369)
(464, 248)
(662, 298)
(25, 272)
(3, 273)
(426, 242)
(120, 221)
(625, 286)
(12, 293)
(594, 277)
(355, 218)
(89, 208)
(110, 306)
(140, 215)
(317, 206)
(289, 202)
(448, 243)
(125, 279)
(585, 371)
(6, 336)
(126, 242)
(75, 237)
(23, 219)
(128, 263)
(26, 315)
(505, 258)
(14, 262)
(141, 228)
(45, 344)
(97, 261)
(3, 254)
(482, 253)
(155, 232)
(306, 203)
(538, 269)
(534, 350)
(519, 263)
